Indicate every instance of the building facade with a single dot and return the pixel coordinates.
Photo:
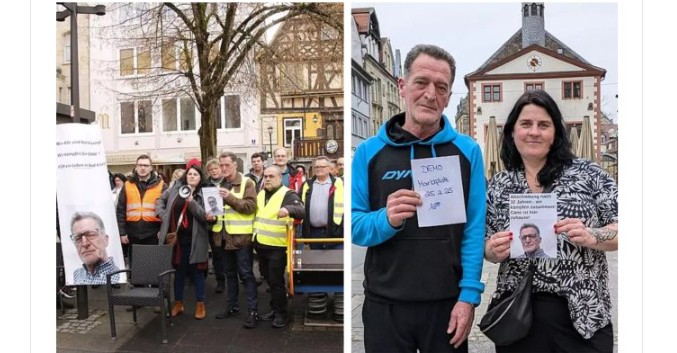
(379, 62)
(533, 59)
(360, 98)
(301, 88)
(145, 103)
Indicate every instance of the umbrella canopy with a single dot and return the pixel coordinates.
(585, 146)
(573, 137)
(492, 159)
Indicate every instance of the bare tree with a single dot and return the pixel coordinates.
(216, 42)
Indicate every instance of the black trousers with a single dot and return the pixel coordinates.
(408, 327)
(553, 331)
(272, 262)
(217, 257)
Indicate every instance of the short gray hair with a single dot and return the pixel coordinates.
(83, 215)
(432, 51)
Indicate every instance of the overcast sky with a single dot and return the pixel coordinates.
(472, 32)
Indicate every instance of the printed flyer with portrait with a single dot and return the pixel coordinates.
(532, 221)
(213, 202)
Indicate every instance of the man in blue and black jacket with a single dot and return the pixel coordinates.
(421, 284)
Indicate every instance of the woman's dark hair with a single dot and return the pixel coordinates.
(302, 168)
(184, 177)
(560, 154)
(119, 176)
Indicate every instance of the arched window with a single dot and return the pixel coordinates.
(331, 132)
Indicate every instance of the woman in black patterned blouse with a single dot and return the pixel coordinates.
(572, 305)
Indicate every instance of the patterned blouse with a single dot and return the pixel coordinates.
(580, 274)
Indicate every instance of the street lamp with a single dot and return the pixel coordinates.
(270, 140)
(72, 10)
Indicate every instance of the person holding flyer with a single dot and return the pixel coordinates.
(421, 283)
(187, 217)
(571, 300)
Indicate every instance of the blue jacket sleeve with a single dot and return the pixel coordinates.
(472, 245)
(368, 227)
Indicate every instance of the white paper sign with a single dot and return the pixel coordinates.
(438, 181)
(83, 197)
(212, 200)
(532, 218)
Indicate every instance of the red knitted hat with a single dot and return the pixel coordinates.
(193, 162)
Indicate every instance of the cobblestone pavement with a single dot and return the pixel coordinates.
(478, 343)
(190, 335)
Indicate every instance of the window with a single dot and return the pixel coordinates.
(292, 131)
(491, 93)
(187, 114)
(169, 115)
(232, 113)
(168, 54)
(136, 117)
(331, 131)
(67, 48)
(572, 89)
(178, 115)
(134, 61)
(532, 86)
(126, 62)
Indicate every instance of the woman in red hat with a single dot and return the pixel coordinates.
(181, 210)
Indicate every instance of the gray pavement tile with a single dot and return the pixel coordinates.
(478, 343)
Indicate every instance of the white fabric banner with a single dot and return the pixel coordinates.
(90, 239)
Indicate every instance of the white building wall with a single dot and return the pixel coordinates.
(172, 147)
(573, 110)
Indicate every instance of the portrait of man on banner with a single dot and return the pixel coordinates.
(90, 239)
(91, 242)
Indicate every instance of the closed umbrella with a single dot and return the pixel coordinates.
(573, 137)
(492, 159)
(585, 147)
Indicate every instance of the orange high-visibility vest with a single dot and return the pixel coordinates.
(138, 209)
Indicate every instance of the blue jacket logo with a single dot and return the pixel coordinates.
(396, 174)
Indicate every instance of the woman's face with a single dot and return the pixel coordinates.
(534, 133)
(193, 177)
(118, 182)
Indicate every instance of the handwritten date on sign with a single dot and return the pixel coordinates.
(443, 191)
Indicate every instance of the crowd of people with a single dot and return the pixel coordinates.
(251, 228)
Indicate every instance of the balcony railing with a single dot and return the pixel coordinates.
(312, 147)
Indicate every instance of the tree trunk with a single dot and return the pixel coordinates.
(207, 132)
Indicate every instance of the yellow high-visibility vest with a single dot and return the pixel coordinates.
(268, 229)
(337, 217)
(138, 209)
(236, 223)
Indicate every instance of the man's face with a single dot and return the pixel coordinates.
(143, 168)
(214, 171)
(257, 164)
(228, 168)
(426, 90)
(212, 202)
(339, 163)
(90, 241)
(321, 169)
(272, 179)
(281, 158)
(530, 239)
